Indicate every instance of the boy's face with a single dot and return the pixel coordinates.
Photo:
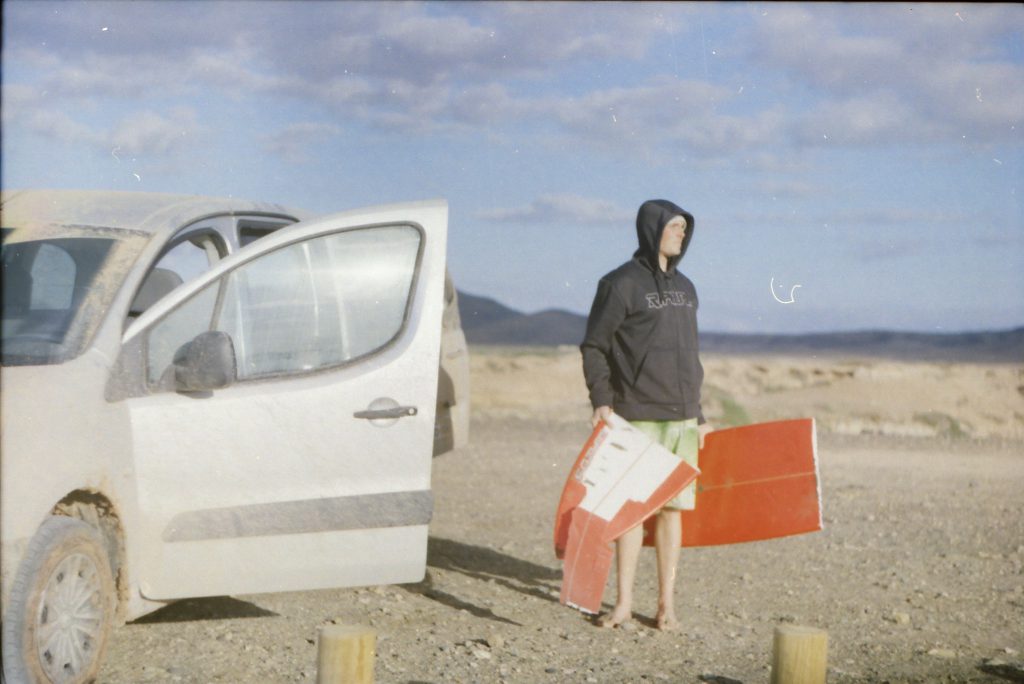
(672, 237)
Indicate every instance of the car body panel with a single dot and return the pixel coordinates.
(42, 417)
(63, 432)
(200, 464)
(451, 424)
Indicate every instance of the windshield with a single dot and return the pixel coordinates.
(54, 295)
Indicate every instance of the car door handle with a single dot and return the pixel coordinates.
(396, 412)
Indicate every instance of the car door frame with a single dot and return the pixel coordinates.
(422, 320)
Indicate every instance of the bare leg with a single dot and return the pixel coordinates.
(667, 532)
(627, 549)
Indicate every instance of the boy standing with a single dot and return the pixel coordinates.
(640, 360)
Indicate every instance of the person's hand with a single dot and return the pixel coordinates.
(702, 430)
(600, 413)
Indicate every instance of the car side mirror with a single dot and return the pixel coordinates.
(206, 363)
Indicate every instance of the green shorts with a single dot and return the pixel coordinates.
(681, 438)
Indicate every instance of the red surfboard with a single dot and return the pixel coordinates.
(620, 478)
(756, 482)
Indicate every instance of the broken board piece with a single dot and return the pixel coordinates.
(619, 478)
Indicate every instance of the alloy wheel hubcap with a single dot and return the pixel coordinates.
(70, 618)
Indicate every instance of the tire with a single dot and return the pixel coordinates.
(61, 608)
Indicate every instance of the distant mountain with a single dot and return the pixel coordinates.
(479, 312)
(997, 346)
(486, 321)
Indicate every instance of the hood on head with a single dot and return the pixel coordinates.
(650, 224)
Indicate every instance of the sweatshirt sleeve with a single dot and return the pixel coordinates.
(606, 314)
(700, 388)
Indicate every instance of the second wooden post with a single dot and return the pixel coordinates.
(345, 654)
(799, 655)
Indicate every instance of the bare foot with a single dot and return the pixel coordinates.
(667, 622)
(616, 618)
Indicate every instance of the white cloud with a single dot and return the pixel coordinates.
(989, 95)
(664, 117)
(296, 142)
(800, 39)
(779, 187)
(491, 104)
(859, 120)
(562, 209)
(907, 73)
(60, 126)
(911, 72)
(149, 133)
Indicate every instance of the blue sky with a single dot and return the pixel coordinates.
(870, 154)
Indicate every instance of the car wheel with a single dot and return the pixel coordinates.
(61, 606)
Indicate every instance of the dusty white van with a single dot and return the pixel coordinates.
(207, 396)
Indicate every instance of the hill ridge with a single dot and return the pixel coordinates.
(486, 321)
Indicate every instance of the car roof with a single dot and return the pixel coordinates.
(151, 213)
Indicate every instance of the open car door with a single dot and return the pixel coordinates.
(282, 410)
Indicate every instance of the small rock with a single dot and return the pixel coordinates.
(481, 654)
(899, 617)
(945, 653)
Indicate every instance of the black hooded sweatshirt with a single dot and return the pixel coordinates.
(640, 350)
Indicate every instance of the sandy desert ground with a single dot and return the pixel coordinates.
(917, 577)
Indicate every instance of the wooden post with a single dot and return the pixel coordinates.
(799, 655)
(345, 654)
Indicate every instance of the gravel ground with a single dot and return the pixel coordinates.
(918, 577)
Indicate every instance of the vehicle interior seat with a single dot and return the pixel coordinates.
(158, 284)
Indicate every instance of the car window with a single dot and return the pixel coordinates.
(272, 313)
(376, 270)
(188, 259)
(309, 305)
(192, 257)
(248, 235)
(54, 271)
(45, 286)
(250, 230)
(180, 326)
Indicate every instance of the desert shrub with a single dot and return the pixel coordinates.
(943, 424)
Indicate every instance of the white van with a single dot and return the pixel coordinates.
(207, 396)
